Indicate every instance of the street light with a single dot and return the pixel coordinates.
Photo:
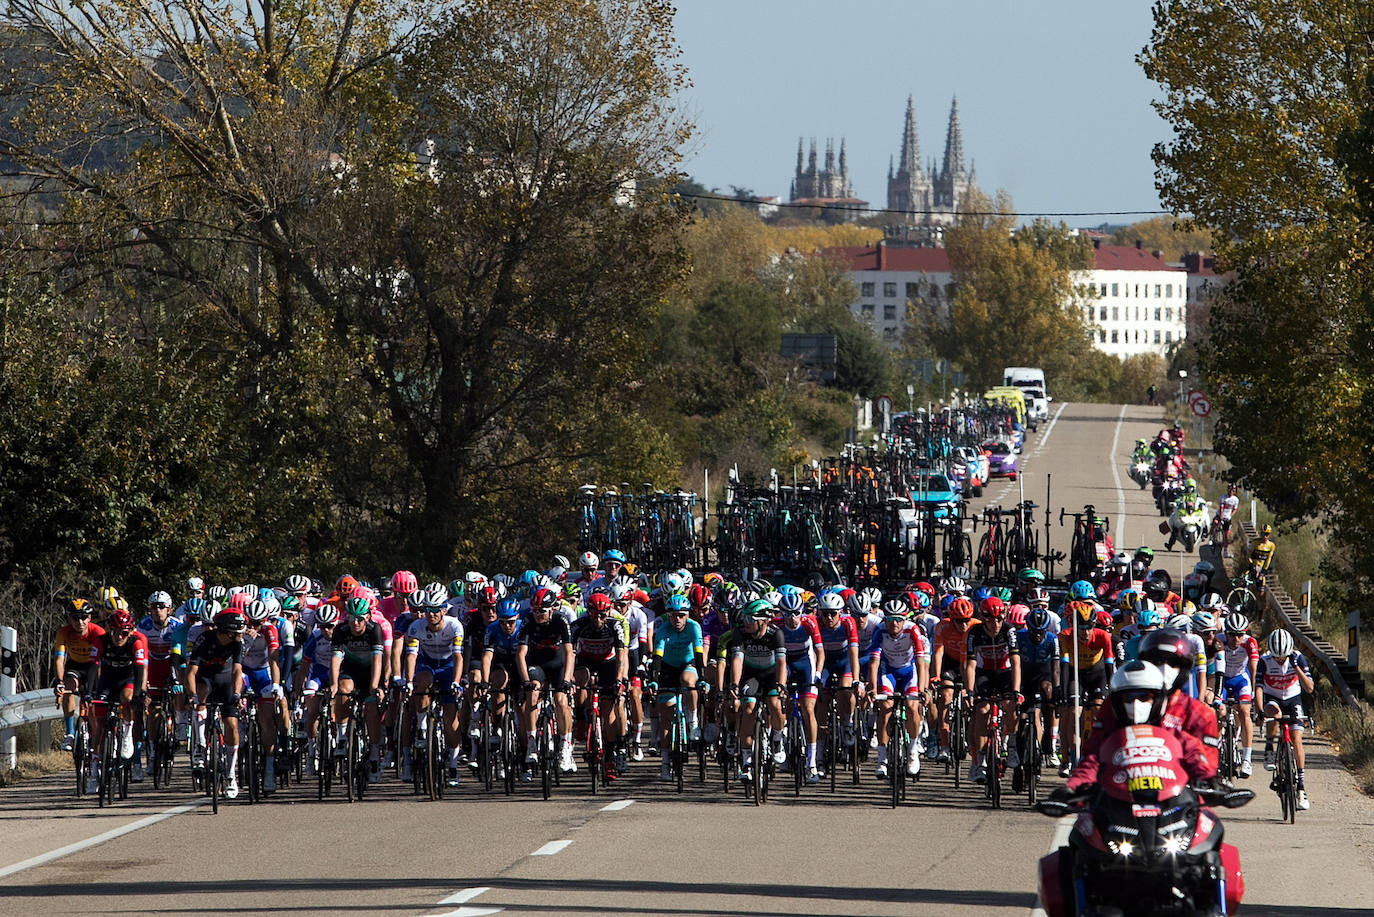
(1182, 374)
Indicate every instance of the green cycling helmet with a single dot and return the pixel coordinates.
(291, 603)
(759, 608)
(356, 608)
(1004, 594)
(1030, 575)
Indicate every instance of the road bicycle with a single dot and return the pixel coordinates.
(899, 749)
(835, 754)
(324, 748)
(1026, 776)
(113, 779)
(994, 757)
(160, 734)
(1285, 780)
(1229, 753)
(548, 741)
(356, 747)
(81, 742)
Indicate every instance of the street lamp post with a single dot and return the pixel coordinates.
(1182, 374)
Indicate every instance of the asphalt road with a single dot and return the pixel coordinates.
(643, 849)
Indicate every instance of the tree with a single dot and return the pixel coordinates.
(478, 303)
(1273, 115)
(1169, 235)
(1014, 303)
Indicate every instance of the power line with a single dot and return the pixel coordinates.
(707, 196)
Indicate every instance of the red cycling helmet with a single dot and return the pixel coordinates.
(1016, 615)
(486, 596)
(925, 587)
(961, 609)
(992, 607)
(403, 581)
(699, 596)
(238, 601)
(599, 601)
(1104, 620)
(120, 619)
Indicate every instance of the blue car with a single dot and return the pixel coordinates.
(934, 489)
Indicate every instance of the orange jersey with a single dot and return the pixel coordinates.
(953, 637)
(79, 649)
(1091, 651)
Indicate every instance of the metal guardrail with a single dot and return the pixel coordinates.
(20, 710)
(1280, 604)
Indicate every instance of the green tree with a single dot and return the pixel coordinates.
(1168, 235)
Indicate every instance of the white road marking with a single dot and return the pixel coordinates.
(550, 848)
(466, 895)
(1063, 828)
(1119, 536)
(469, 912)
(1050, 429)
(60, 852)
(618, 805)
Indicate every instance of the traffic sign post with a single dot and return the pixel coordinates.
(1201, 406)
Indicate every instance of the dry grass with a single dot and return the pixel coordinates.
(37, 764)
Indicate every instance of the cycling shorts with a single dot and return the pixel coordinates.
(801, 674)
(1033, 676)
(990, 684)
(113, 681)
(1291, 706)
(259, 681)
(951, 670)
(605, 672)
(756, 683)
(670, 676)
(82, 673)
(837, 666)
(361, 676)
(1238, 688)
(441, 674)
(222, 691)
(902, 680)
(1092, 683)
(548, 673)
(159, 671)
(316, 678)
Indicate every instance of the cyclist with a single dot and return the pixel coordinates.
(1199, 582)
(74, 654)
(262, 676)
(1262, 552)
(544, 658)
(679, 656)
(477, 624)
(947, 662)
(1086, 665)
(805, 658)
(1241, 663)
(166, 638)
(590, 577)
(403, 583)
(633, 620)
(433, 656)
(840, 640)
(1146, 621)
(1167, 602)
(1226, 510)
(214, 671)
(898, 665)
(357, 667)
(992, 666)
(121, 666)
(758, 666)
(1283, 677)
(318, 654)
(500, 673)
(599, 648)
(195, 589)
(1039, 649)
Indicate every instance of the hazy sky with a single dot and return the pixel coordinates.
(1054, 108)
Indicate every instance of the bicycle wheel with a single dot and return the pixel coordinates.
(350, 759)
(434, 771)
(832, 739)
(81, 755)
(986, 557)
(994, 773)
(1291, 784)
(759, 780)
(896, 765)
(253, 765)
(324, 753)
(594, 748)
(510, 749)
(796, 751)
(125, 765)
(1228, 763)
(679, 744)
(956, 739)
(106, 793)
(1030, 764)
(212, 756)
(359, 754)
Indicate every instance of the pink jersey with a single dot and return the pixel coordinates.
(385, 626)
(392, 606)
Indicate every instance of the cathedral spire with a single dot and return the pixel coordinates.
(954, 143)
(811, 160)
(799, 156)
(911, 150)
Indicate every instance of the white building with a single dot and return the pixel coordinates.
(892, 280)
(1137, 303)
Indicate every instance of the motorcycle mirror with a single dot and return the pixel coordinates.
(1237, 798)
(1056, 809)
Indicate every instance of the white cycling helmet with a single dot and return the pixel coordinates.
(160, 598)
(1138, 693)
(860, 604)
(195, 584)
(620, 589)
(1280, 643)
(589, 560)
(1180, 622)
(832, 602)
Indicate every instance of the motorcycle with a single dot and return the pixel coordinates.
(1191, 526)
(1145, 842)
(1140, 472)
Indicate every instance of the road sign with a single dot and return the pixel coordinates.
(1194, 395)
(883, 403)
(1202, 407)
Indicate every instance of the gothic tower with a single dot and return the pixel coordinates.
(909, 188)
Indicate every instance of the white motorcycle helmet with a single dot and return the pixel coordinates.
(1138, 694)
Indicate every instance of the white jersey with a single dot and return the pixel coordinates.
(1237, 658)
(1279, 680)
(1227, 506)
(638, 620)
(901, 650)
(438, 645)
(866, 626)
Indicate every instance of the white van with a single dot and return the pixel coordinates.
(1031, 381)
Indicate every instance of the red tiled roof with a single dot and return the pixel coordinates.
(890, 258)
(1128, 258)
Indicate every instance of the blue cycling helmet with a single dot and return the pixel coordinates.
(676, 602)
(1147, 617)
(981, 593)
(1038, 620)
(529, 577)
(946, 601)
(195, 608)
(789, 589)
(507, 609)
(615, 555)
(920, 599)
(791, 603)
(1082, 591)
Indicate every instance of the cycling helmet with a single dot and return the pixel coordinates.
(345, 584)
(875, 596)
(217, 594)
(510, 608)
(1016, 615)
(1237, 623)
(415, 600)
(678, 602)
(1204, 567)
(1280, 643)
(256, 612)
(961, 609)
(1003, 593)
(160, 598)
(1038, 620)
(356, 607)
(194, 607)
(588, 560)
(1212, 601)
(699, 595)
(991, 607)
(1138, 694)
(685, 575)
(1039, 596)
(1121, 559)
(860, 604)
(671, 583)
(404, 582)
(925, 588)
(1204, 623)
(1156, 590)
(791, 604)
(238, 601)
(730, 597)
(621, 591)
(981, 593)
(614, 556)
(561, 560)
(788, 589)
(326, 615)
(230, 622)
(1180, 622)
(1082, 590)
(438, 593)
(1128, 600)
(599, 602)
(120, 619)
(195, 584)
(1147, 617)
(759, 609)
(773, 598)
(918, 601)
(1170, 650)
(1030, 575)
(831, 601)
(210, 612)
(487, 596)
(1266, 529)
(895, 609)
(1082, 611)
(108, 595)
(78, 608)
(713, 580)
(571, 593)
(1145, 553)
(1104, 619)
(955, 585)
(297, 584)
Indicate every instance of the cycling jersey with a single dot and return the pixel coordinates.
(595, 643)
(475, 626)
(637, 623)
(435, 648)
(953, 636)
(1262, 555)
(502, 644)
(678, 648)
(77, 648)
(1096, 648)
(214, 657)
(1238, 658)
(900, 650)
(1227, 506)
(1036, 654)
(358, 650)
(838, 640)
(544, 642)
(1279, 679)
(992, 652)
(760, 652)
(318, 651)
(260, 647)
(115, 657)
(799, 640)
(163, 642)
